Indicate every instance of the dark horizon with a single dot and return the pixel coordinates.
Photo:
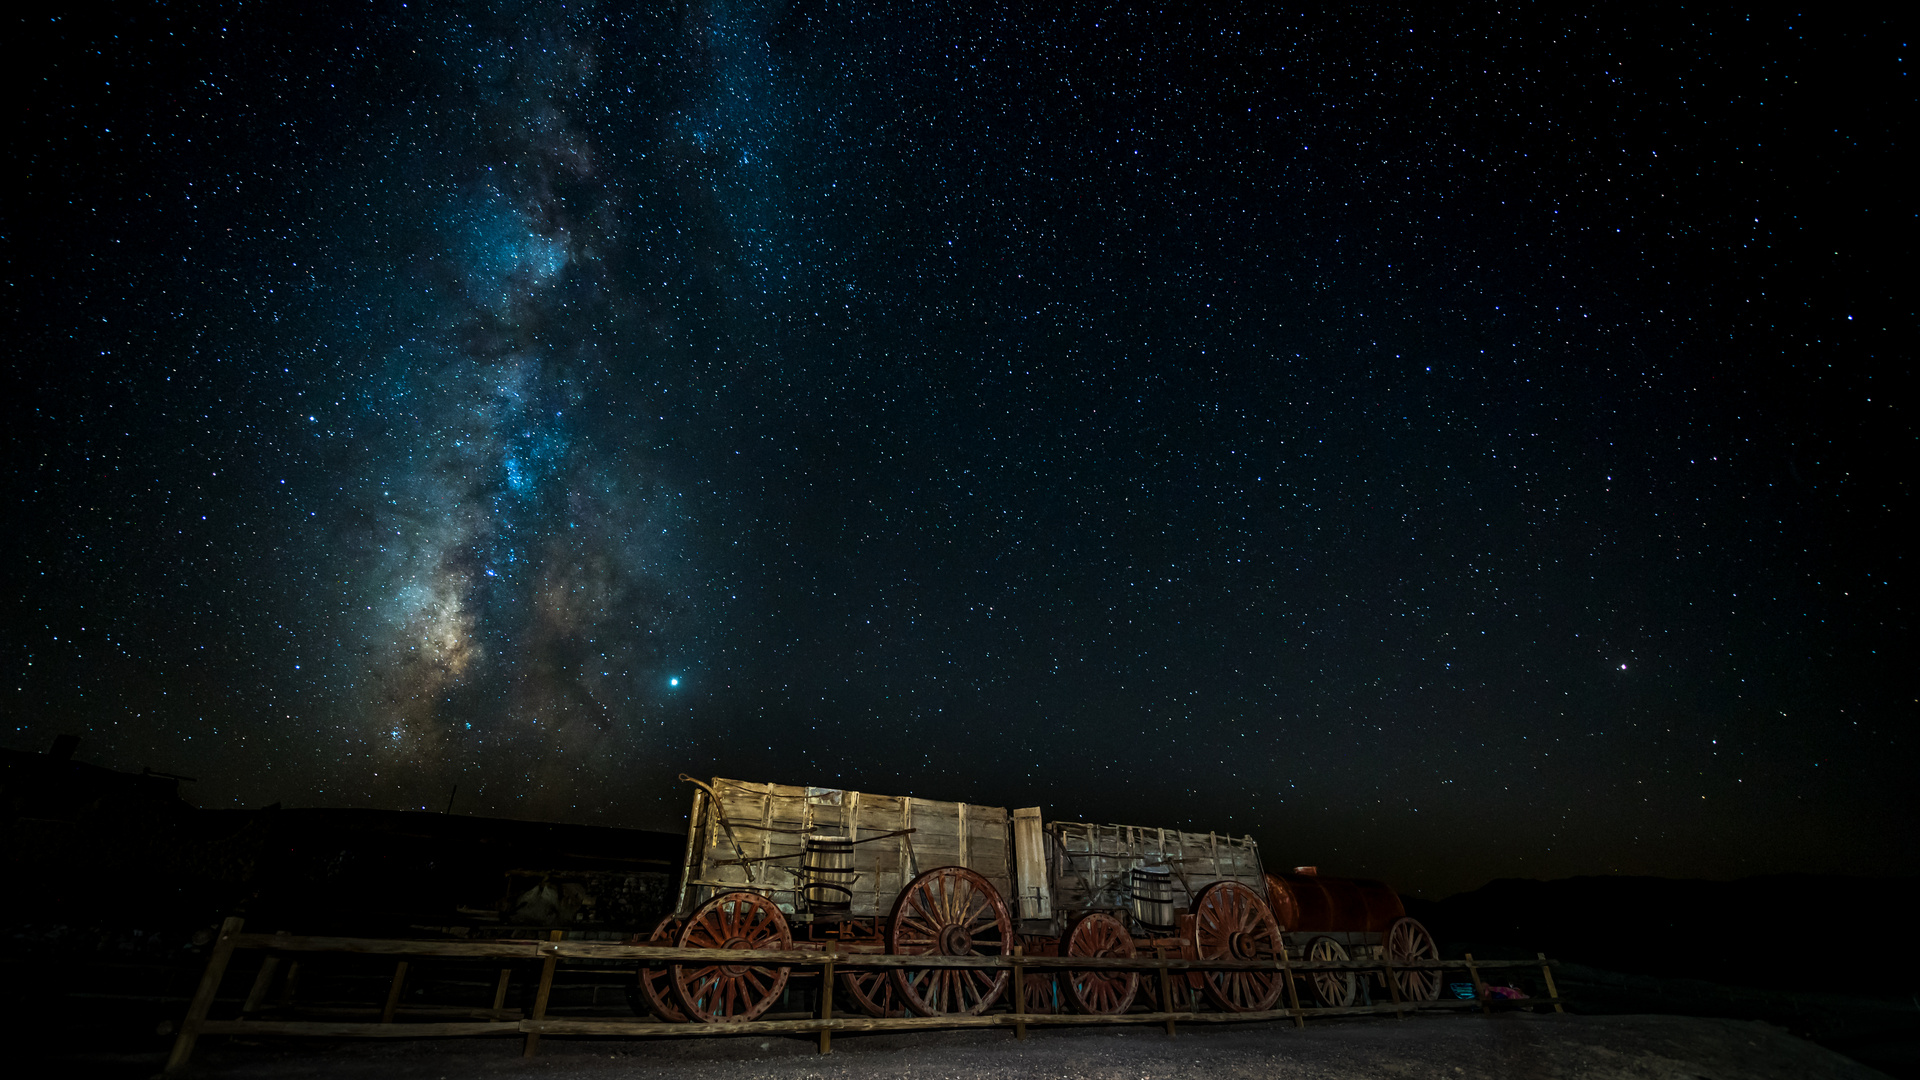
(1446, 446)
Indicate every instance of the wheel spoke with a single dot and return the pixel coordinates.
(937, 994)
(975, 905)
(984, 983)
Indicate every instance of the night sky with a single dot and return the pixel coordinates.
(1445, 444)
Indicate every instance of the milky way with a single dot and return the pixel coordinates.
(513, 559)
(522, 560)
(1444, 445)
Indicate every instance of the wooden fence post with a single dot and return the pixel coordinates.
(1479, 989)
(1019, 993)
(826, 1001)
(290, 986)
(1553, 992)
(1293, 992)
(393, 992)
(500, 993)
(1393, 985)
(540, 996)
(203, 995)
(269, 966)
(1166, 988)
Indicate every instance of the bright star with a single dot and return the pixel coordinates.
(675, 681)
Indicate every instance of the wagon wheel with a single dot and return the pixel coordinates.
(1184, 983)
(1231, 922)
(950, 911)
(873, 992)
(1332, 989)
(1043, 994)
(656, 994)
(731, 993)
(1042, 987)
(1407, 940)
(1102, 992)
(1182, 992)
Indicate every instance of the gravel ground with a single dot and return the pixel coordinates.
(1432, 1048)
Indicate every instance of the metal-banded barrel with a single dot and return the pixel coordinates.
(827, 872)
(1151, 889)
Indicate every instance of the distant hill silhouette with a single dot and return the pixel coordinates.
(87, 846)
(1785, 931)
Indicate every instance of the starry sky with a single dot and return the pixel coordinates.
(1446, 444)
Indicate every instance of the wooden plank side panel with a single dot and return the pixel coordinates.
(773, 820)
(876, 864)
(1093, 862)
(1033, 890)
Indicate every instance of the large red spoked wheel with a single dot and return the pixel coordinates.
(655, 983)
(951, 911)
(1102, 992)
(731, 993)
(1231, 922)
(873, 992)
(1407, 940)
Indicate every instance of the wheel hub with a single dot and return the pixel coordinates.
(1240, 944)
(955, 941)
(737, 942)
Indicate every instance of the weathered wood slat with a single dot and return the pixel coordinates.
(529, 950)
(602, 950)
(335, 1029)
(921, 1023)
(417, 1012)
(329, 1028)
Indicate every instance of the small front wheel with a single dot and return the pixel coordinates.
(656, 983)
(1104, 993)
(1407, 939)
(1332, 989)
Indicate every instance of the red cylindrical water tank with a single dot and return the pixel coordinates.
(1312, 902)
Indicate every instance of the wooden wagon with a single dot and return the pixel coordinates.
(771, 866)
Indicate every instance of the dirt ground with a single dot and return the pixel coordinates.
(1431, 1048)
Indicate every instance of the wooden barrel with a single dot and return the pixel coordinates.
(1151, 891)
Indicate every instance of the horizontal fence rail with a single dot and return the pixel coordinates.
(829, 957)
(601, 950)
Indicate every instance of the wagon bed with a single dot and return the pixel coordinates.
(744, 836)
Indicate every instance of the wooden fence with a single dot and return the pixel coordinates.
(551, 951)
